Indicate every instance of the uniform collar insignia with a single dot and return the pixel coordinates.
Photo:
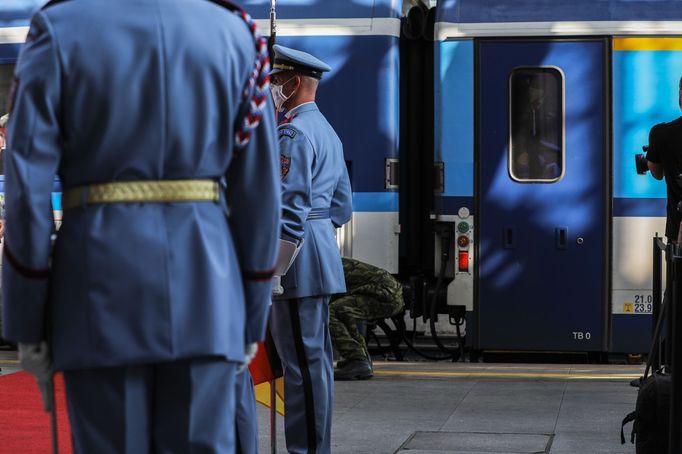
(288, 119)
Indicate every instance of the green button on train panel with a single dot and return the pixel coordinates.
(463, 227)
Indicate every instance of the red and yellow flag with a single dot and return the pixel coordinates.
(265, 368)
(262, 392)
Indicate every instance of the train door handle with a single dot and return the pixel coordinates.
(562, 237)
(508, 240)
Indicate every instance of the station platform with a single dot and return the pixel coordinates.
(466, 408)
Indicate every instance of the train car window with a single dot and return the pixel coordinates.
(536, 125)
(6, 74)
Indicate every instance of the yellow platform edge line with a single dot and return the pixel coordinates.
(509, 375)
(625, 44)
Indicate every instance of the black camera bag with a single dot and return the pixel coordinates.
(652, 409)
(651, 416)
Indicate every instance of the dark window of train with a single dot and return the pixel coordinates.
(536, 123)
(6, 74)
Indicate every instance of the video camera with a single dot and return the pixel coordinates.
(641, 164)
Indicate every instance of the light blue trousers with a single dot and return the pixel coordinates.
(300, 329)
(180, 406)
(246, 417)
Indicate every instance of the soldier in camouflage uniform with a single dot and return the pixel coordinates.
(371, 293)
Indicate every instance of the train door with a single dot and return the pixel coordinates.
(541, 195)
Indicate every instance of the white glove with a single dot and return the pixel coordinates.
(36, 359)
(277, 288)
(250, 351)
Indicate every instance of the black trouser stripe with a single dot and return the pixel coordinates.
(305, 374)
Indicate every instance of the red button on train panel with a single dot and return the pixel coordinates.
(463, 261)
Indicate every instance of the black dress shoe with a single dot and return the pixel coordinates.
(355, 369)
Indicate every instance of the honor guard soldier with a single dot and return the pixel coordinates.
(316, 198)
(150, 114)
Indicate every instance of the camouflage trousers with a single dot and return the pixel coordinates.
(345, 313)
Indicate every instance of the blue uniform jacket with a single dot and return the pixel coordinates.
(314, 179)
(137, 90)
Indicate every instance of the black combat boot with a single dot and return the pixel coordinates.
(354, 369)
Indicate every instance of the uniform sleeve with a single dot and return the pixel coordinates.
(296, 161)
(655, 144)
(254, 201)
(31, 161)
(341, 208)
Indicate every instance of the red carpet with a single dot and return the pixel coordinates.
(24, 425)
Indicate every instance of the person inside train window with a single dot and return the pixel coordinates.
(371, 293)
(536, 122)
(664, 159)
(542, 165)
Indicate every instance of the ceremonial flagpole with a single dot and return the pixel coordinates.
(273, 389)
(271, 39)
(273, 416)
(273, 31)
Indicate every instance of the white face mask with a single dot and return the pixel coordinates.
(278, 95)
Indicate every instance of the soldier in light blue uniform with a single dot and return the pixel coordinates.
(154, 289)
(316, 199)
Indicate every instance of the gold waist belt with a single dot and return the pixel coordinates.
(142, 191)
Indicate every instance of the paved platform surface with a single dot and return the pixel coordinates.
(464, 408)
(8, 362)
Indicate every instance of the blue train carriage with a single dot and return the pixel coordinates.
(14, 19)
(359, 97)
(540, 106)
